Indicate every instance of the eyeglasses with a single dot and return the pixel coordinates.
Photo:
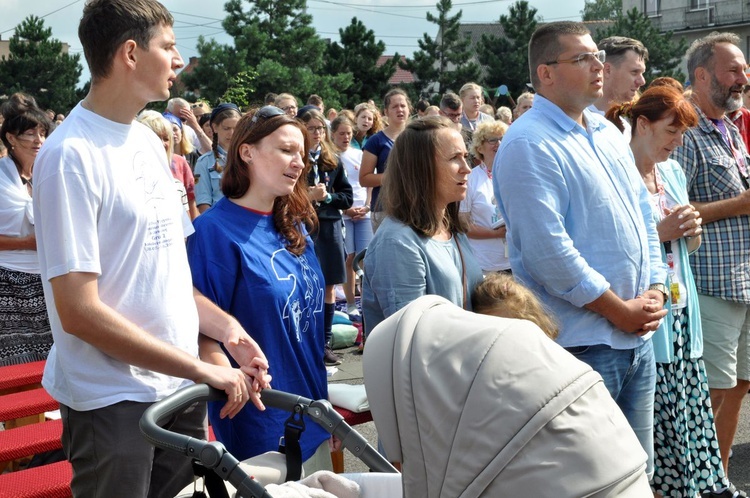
(493, 140)
(289, 108)
(316, 129)
(266, 112)
(585, 59)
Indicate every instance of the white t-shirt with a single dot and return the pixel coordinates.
(480, 202)
(16, 218)
(351, 158)
(105, 203)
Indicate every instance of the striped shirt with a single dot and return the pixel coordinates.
(712, 165)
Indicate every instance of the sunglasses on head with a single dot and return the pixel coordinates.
(266, 112)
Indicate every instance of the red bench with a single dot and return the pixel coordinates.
(47, 481)
(22, 377)
(351, 418)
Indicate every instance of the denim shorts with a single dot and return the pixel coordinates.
(358, 234)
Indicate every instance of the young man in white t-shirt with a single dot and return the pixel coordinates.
(110, 231)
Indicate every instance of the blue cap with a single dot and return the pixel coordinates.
(173, 119)
(223, 107)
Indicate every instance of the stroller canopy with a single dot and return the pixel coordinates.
(474, 405)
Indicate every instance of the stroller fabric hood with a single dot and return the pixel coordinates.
(474, 405)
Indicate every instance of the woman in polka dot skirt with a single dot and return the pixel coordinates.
(687, 462)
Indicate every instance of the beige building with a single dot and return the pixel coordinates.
(5, 48)
(692, 19)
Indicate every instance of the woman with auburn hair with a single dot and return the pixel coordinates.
(421, 247)
(250, 255)
(687, 462)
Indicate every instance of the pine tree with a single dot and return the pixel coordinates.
(277, 49)
(444, 61)
(37, 66)
(601, 10)
(358, 54)
(506, 57)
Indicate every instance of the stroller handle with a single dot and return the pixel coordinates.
(211, 455)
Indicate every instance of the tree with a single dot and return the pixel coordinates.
(506, 58)
(358, 54)
(445, 60)
(664, 54)
(601, 10)
(275, 46)
(217, 65)
(37, 66)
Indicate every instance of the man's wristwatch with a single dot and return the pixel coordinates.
(661, 288)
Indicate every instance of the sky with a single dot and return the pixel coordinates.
(398, 23)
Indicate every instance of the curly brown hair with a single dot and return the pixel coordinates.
(290, 212)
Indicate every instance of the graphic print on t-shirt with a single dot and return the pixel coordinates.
(158, 203)
(298, 311)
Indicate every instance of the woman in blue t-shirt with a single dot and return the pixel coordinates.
(250, 254)
(397, 109)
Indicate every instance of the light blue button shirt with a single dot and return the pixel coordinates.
(578, 217)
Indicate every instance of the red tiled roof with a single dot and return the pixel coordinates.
(401, 75)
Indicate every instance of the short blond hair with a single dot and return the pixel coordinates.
(468, 87)
(159, 125)
(484, 130)
(500, 295)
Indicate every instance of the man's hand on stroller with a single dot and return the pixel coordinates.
(232, 381)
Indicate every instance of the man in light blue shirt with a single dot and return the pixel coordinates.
(579, 222)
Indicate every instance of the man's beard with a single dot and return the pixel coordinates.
(724, 97)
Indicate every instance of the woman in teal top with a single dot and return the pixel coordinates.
(687, 462)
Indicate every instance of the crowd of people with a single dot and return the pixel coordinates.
(205, 243)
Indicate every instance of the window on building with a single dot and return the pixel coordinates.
(653, 7)
(699, 4)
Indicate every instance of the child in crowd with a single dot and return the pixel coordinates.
(358, 228)
(367, 119)
(330, 192)
(500, 295)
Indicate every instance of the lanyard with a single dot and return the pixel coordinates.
(487, 171)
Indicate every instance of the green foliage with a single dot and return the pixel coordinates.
(37, 66)
(664, 54)
(218, 64)
(506, 57)
(444, 61)
(358, 55)
(241, 89)
(601, 10)
(276, 49)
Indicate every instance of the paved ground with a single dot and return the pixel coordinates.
(350, 372)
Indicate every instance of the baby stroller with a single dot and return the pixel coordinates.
(476, 405)
(214, 457)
